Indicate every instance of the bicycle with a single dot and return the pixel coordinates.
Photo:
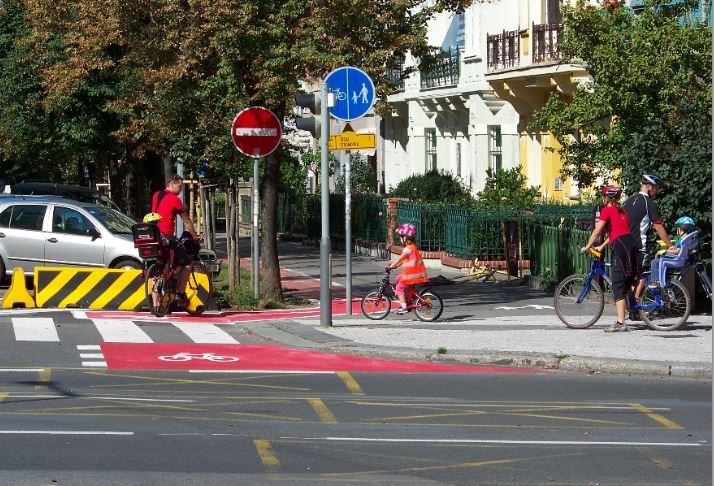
(377, 305)
(700, 272)
(580, 301)
(160, 276)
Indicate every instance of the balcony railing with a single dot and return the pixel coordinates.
(545, 42)
(503, 50)
(445, 71)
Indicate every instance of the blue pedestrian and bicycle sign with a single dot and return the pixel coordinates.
(354, 93)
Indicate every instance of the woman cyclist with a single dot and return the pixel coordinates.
(625, 270)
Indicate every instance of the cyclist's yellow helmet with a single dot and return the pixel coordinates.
(152, 218)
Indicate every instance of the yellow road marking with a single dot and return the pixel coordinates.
(350, 382)
(458, 465)
(656, 459)
(43, 377)
(656, 417)
(265, 452)
(322, 411)
(3, 396)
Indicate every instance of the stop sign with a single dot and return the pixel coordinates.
(256, 131)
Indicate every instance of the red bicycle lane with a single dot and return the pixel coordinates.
(273, 359)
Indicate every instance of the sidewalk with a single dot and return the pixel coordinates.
(485, 323)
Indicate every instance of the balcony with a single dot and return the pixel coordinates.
(444, 72)
(503, 50)
(395, 76)
(545, 42)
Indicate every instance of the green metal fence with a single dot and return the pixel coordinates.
(555, 251)
(246, 209)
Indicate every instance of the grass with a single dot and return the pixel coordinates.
(442, 350)
(242, 297)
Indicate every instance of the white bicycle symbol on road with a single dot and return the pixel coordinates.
(216, 358)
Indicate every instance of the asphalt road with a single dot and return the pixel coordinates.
(101, 427)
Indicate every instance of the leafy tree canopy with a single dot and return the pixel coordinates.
(648, 106)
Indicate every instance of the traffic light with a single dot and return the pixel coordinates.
(309, 123)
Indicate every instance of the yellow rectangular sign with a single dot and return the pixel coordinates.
(352, 141)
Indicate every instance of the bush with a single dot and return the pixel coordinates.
(433, 186)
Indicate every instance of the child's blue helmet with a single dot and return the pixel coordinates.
(686, 223)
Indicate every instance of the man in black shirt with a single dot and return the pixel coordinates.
(643, 213)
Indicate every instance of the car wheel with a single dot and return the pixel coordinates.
(127, 265)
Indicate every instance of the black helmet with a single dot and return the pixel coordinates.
(651, 179)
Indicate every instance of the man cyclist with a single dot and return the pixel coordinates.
(165, 206)
(643, 213)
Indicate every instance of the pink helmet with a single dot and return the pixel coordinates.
(406, 229)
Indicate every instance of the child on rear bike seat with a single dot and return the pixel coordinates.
(676, 256)
(414, 270)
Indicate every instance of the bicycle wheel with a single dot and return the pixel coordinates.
(376, 306)
(579, 301)
(666, 309)
(429, 306)
(155, 280)
(199, 289)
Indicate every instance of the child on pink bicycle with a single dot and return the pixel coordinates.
(414, 269)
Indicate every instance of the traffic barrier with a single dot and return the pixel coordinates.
(100, 288)
(17, 295)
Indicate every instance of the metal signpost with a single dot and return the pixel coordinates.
(256, 132)
(354, 96)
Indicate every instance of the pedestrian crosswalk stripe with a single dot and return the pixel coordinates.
(205, 333)
(35, 329)
(118, 331)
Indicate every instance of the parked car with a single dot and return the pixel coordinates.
(69, 191)
(54, 231)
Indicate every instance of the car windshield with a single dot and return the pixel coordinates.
(115, 221)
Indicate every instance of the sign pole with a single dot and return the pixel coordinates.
(256, 245)
(348, 232)
(325, 274)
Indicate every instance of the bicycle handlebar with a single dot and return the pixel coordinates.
(592, 252)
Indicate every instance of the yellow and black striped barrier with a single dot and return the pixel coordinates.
(100, 288)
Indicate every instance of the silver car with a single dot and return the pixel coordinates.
(53, 231)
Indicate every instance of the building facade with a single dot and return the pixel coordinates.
(450, 119)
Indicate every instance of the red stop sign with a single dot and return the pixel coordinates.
(256, 131)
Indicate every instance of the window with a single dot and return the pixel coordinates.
(558, 184)
(430, 136)
(458, 159)
(27, 217)
(495, 156)
(66, 220)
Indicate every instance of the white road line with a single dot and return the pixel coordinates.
(145, 399)
(65, 432)
(35, 329)
(205, 333)
(88, 347)
(497, 441)
(94, 364)
(121, 331)
(91, 355)
(22, 370)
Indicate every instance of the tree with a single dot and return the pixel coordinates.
(363, 176)
(183, 68)
(648, 107)
(508, 188)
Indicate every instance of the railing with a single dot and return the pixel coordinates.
(444, 72)
(545, 42)
(503, 50)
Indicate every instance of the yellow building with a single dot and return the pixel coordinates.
(524, 68)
